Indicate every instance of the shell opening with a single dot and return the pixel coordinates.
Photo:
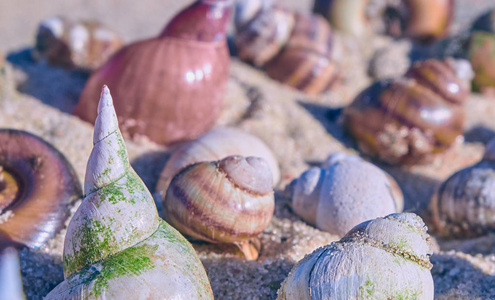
(11, 187)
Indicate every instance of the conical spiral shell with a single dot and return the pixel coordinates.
(116, 245)
(343, 193)
(385, 258)
(227, 201)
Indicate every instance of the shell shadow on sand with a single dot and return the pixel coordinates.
(53, 86)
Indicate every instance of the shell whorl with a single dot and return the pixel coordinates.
(225, 201)
(108, 147)
(118, 211)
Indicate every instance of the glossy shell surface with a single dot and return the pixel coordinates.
(37, 188)
(408, 119)
(170, 88)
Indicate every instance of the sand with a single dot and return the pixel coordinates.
(301, 130)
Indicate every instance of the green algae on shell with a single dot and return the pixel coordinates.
(116, 245)
(385, 258)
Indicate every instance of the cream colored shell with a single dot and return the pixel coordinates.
(116, 245)
(343, 193)
(385, 258)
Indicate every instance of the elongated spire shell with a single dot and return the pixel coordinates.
(104, 224)
(116, 245)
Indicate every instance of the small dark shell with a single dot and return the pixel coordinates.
(465, 203)
(406, 120)
(485, 22)
(68, 44)
(306, 63)
(38, 187)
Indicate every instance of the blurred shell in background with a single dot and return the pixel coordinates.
(481, 53)
(69, 44)
(420, 19)
(408, 119)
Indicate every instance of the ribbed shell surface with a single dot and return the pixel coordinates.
(168, 89)
(202, 202)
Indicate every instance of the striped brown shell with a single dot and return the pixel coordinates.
(406, 120)
(306, 61)
(228, 201)
(481, 52)
(264, 35)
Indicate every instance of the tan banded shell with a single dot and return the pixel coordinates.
(227, 201)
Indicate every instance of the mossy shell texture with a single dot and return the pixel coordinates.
(116, 245)
(385, 258)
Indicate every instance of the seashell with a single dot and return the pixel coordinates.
(262, 30)
(37, 187)
(420, 19)
(68, 44)
(227, 201)
(385, 258)
(306, 61)
(214, 145)
(116, 245)
(481, 52)
(464, 205)
(294, 49)
(407, 120)
(10, 276)
(344, 192)
(170, 88)
(348, 16)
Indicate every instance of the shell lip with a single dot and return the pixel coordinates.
(409, 255)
